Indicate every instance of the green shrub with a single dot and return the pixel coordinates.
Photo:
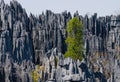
(35, 73)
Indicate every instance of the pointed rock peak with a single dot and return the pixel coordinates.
(76, 14)
(2, 3)
(14, 1)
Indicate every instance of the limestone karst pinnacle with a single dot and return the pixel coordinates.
(28, 41)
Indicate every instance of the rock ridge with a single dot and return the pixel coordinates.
(29, 41)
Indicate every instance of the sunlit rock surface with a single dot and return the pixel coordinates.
(28, 41)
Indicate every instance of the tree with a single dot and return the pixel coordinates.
(74, 39)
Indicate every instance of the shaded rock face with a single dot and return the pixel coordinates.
(26, 41)
(48, 31)
(2, 74)
(14, 35)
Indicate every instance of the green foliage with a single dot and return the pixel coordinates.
(36, 75)
(74, 39)
(56, 62)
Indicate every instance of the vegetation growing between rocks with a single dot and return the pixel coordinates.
(36, 75)
(56, 62)
(74, 39)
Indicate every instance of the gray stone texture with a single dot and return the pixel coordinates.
(27, 41)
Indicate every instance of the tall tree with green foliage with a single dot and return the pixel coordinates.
(74, 39)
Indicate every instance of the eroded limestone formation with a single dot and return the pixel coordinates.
(27, 41)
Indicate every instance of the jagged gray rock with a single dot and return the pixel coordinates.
(27, 41)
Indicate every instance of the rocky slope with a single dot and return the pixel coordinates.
(27, 42)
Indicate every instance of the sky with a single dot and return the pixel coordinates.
(102, 7)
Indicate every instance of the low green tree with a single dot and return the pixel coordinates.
(74, 39)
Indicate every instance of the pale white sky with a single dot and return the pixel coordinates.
(102, 7)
